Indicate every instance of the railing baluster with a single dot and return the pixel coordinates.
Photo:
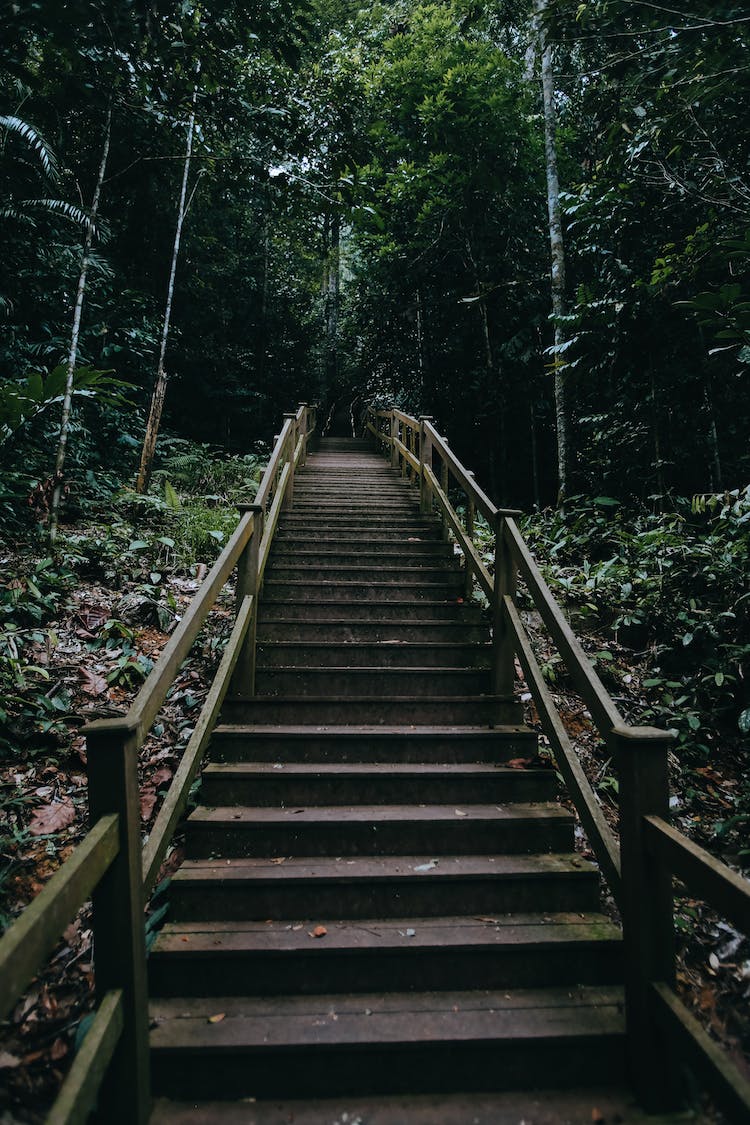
(394, 438)
(425, 458)
(243, 679)
(503, 647)
(470, 516)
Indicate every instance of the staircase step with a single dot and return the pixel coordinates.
(374, 955)
(324, 654)
(387, 543)
(374, 1043)
(335, 830)
(371, 744)
(426, 633)
(317, 607)
(479, 710)
(398, 553)
(535, 1107)
(371, 682)
(418, 589)
(382, 886)
(276, 783)
(415, 571)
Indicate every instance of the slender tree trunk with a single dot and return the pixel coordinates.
(557, 246)
(717, 476)
(160, 385)
(333, 280)
(75, 334)
(534, 455)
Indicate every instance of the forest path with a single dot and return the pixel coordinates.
(380, 897)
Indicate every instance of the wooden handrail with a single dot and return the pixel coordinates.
(639, 870)
(78, 1096)
(32, 937)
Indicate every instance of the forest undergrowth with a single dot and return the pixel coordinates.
(80, 629)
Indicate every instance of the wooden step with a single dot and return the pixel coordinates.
(371, 682)
(303, 783)
(384, 955)
(419, 589)
(416, 885)
(382, 1043)
(582, 1106)
(393, 554)
(480, 710)
(371, 744)
(319, 607)
(426, 633)
(416, 571)
(334, 830)
(406, 653)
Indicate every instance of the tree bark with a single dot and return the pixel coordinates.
(162, 378)
(557, 247)
(75, 334)
(333, 299)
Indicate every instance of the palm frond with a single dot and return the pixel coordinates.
(35, 141)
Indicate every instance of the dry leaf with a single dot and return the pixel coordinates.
(8, 1061)
(93, 683)
(52, 817)
(217, 1018)
(162, 776)
(460, 812)
(319, 931)
(279, 859)
(486, 918)
(59, 1050)
(520, 763)
(148, 800)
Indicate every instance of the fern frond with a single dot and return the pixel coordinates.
(35, 141)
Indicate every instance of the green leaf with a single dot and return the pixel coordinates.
(171, 497)
(744, 721)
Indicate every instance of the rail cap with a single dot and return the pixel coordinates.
(643, 734)
(122, 725)
(243, 507)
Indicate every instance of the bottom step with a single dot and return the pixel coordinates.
(551, 1107)
(371, 1043)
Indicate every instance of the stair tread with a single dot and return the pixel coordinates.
(547, 1107)
(448, 933)
(385, 730)
(317, 1022)
(364, 769)
(364, 814)
(387, 867)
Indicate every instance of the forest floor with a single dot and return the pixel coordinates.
(87, 661)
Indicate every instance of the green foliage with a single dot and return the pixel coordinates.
(21, 403)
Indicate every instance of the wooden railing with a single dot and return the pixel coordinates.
(640, 868)
(110, 866)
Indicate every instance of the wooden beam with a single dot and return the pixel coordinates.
(705, 876)
(79, 1093)
(33, 936)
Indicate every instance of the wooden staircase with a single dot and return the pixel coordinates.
(380, 900)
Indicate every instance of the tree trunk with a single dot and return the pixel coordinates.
(333, 293)
(160, 385)
(62, 444)
(557, 247)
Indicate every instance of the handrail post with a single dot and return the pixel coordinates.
(291, 447)
(444, 484)
(503, 654)
(425, 458)
(394, 436)
(304, 427)
(243, 678)
(470, 516)
(641, 755)
(119, 926)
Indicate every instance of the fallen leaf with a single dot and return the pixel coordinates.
(8, 1061)
(520, 763)
(93, 683)
(217, 1018)
(52, 817)
(279, 859)
(597, 1116)
(148, 800)
(460, 812)
(162, 776)
(59, 1050)
(426, 866)
(713, 961)
(486, 918)
(318, 931)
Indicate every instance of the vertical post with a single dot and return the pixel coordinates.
(119, 926)
(243, 678)
(647, 908)
(394, 436)
(503, 654)
(425, 459)
(303, 432)
(444, 486)
(291, 446)
(470, 515)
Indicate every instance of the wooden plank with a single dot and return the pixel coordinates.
(464, 478)
(729, 1087)
(269, 477)
(298, 451)
(272, 519)
(705, 876)
(179, 789)
(595, 695)
(603, 842)
(78, 1096)
(36, 933)
(470, 552)
(406, 419)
